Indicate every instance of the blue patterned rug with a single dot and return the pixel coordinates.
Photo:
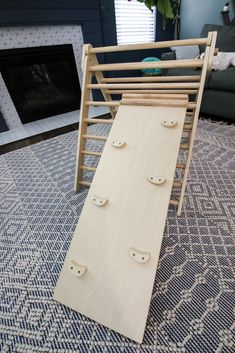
(193, 303)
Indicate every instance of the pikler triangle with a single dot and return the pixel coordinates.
(109, 270)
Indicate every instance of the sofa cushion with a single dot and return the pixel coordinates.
(223, 80)
(218, 103)
(182, 72)
(225, 37)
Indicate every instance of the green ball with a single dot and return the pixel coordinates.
(151, 71)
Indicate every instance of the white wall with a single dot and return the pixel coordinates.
(195, 13)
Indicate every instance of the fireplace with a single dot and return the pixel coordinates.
(42, 81)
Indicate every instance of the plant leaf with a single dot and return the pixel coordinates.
(164, 7)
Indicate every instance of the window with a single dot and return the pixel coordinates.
(135, 23)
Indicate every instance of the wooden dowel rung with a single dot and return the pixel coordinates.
(99, 121)
(184, 146)
(146, 102)
(92, 153)
(148, 65)
(153, 102)
(102, 104)
(174, 202)
(95, 137)
(153, 45)
(90, 169)
(192, 105)
(155, 96)
(84, 183)
(142, 85)
(177, 183)
(188, 126)
(180, 165)
(137, 91)
(152, 79)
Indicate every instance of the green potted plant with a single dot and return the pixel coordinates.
(169, 9)
(163, 6)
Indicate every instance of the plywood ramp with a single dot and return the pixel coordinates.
(109, 271)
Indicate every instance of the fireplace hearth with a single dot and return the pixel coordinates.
(42, 81)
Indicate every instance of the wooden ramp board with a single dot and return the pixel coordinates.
(109, 271)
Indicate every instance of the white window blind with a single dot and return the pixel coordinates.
(135, 23)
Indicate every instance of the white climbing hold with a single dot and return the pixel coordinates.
(118, 143)
(157, 180)
(76, 269)
(139, 256)
(99, 201)
(169, 123)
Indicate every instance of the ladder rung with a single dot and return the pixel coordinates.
(91, 153)
(101, 121)
(174, 202)
(177, 184)
(147, 65)
(101, 103)
(192, 105)
(155, 96)
(95, 137)
(153, 102)
(151, 79)
(90, 169)
(85, 183)
(179, 85)
(188, 126)
(184, 146)
(153, 45)
(144, 102)
(170, 91)
(180, 165)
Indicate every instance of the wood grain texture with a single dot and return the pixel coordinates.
(116, 290)
(148, 65)
(151, 79)
(162, 91)
(177, 85)
(154, 45)
(144, 87)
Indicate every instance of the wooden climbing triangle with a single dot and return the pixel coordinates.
(109, 270)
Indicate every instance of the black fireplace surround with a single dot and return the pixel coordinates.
(42, 81)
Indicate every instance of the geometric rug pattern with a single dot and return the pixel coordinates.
(193, 301)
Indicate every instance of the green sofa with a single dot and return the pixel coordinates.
(219, 93)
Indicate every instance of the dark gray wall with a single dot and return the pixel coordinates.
(195, 13)
(95, 16)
